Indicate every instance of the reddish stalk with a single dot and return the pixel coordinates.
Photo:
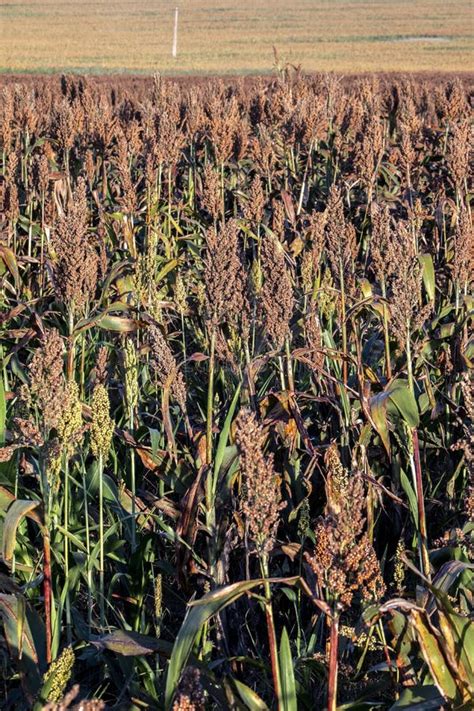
(47, 587)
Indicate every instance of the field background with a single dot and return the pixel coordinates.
(231, 37)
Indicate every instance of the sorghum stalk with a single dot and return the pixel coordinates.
(333, 661)
(289, 368)
(272, 641)
(131, 400)
(343, 324)
(66, 546)
(415, 465)
(388, 363)
(409, 360)
(282, 373)
(88, 553)
(100, 466)
(47, 587)
(101, 438)
(133, 484)
(223, 192)
(210, 398)
(71, 346)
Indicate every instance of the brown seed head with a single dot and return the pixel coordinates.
(276, 298)
(463, 262)
(191, 695)
(75, 260)
(223, 275)
(211, 197)
(165, 367)
(261, 498)
(344, 561)
(47, 379)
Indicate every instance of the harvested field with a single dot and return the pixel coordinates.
(226, 37)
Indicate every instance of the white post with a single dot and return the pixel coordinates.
(174, 51)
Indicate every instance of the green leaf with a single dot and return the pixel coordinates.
(426, 261)
(117, 323)
(165, 270)
(18, 509)
(132, 644)
(224, 435)
(251, 699)
(402, 397)
(458, 644)
(409, 491)
(434, 657)
(10, 261)
(419, 698)
(21, 645)
(378, 412)
(287, 674)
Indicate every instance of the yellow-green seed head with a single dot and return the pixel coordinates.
(257, 277)
(102, 427)
(180, 294)
(131, 375)
(70, 427)
(59, 673)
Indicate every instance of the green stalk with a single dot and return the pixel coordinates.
(47, 577)
(71, 345)
(388, 363)
(88, 553)
(411, 382)
(415, 465)
(66, 547)
(101, 544)
(47, 588)
(289, 369)
(343, 323)
(133, 485)
(210, 399)
(282, 373)
(42, 246)
(272, 639)
(30, 229)
(183, 340)
(169, 201)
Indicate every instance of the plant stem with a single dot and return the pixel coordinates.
(289, 369)
(88, 553)
(71, 345)
(333, 662)
(388, 363)
(418, 481)
(210, 399)
(343, 325)
(272, 641)
(47, 589)
(411, 382)
(66, 548)
(133, 485)
(101, 543)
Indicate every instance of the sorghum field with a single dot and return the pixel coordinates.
(236, 414)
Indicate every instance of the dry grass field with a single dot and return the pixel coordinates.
(232, 37)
